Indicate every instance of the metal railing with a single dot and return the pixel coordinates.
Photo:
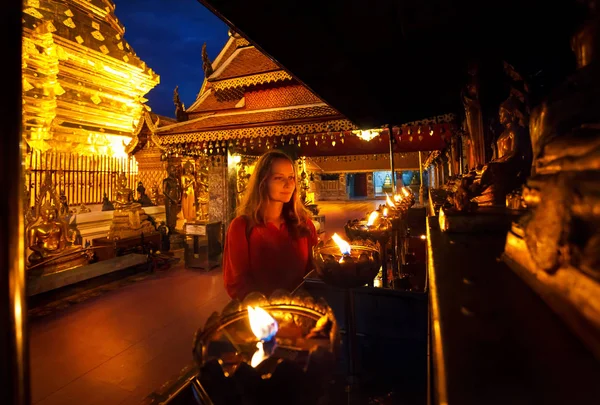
(83, 179)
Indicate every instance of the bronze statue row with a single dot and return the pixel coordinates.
(546, 164)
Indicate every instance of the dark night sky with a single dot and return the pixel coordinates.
(168, 36)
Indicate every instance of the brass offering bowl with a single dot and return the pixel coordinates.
(347, 270)
(296, 370)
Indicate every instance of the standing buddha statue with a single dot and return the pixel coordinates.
(188, 198)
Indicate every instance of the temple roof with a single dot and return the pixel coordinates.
(252, 118)
(243, 62)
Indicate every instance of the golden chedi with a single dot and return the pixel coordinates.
(129, 218)
(83, 85)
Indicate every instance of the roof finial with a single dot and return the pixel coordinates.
(180, 113)
(206, 64)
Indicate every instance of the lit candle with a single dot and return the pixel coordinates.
(264, 327)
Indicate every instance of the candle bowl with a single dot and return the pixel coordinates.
(347, 270)
(300, 362)
(379, 231)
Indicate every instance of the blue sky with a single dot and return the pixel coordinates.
(168, 36)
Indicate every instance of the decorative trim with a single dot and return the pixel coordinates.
(247, 81)
(258, 132)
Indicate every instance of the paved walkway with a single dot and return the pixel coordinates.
(118, 347)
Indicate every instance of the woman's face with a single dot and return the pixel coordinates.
(281, 182)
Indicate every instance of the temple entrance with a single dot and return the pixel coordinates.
(360, 185)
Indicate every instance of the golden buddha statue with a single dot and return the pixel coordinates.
(512, 161)
(124, 194)
(49, 237)
(188, 198)
(129, 218)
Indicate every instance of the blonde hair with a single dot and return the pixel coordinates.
(294, 213)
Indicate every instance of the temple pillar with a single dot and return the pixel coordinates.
(217, 190)
(232, 190)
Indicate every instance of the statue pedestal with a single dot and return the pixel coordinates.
(573, 295)
(485, 219)
(109, 248)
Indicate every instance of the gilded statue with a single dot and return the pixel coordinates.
(242, 182)
(563, 226)
(124, 194)
(172, 194)
(511, 165)
(49, 237)
(129, 219)
(188, 197)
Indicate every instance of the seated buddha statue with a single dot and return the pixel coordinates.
(129, 218)
(51, 242)
(511, 165)
(124, 195)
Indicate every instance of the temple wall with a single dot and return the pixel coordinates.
(151, 171)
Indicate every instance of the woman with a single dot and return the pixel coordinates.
(269, 243)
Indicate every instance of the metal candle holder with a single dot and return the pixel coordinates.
(297, 369)
(355, 269)
(380, 232)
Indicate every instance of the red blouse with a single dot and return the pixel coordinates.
(271, 259)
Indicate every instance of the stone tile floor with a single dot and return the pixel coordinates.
(118, 343)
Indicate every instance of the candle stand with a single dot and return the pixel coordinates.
(298, 369)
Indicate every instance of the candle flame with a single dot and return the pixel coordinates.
(342, 244)
(405, 192)
(263, 325)
(385, 212)
(397, 198)
(388, 200)
(372, 218)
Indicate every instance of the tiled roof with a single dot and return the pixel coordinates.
(243, 62)
(280, 96)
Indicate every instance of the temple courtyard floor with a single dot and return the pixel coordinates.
(117, 342)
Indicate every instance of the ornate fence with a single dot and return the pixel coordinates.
(83, 179)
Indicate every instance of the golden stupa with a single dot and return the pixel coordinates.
(83, 85)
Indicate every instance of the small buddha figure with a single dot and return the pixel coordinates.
(142, 197)
(48, 237)
(64, 205)
(154, 196)
(106, 204)
(83, 209)
(188, 197)
(124, 195)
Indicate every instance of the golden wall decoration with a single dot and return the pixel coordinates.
(83, 86)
